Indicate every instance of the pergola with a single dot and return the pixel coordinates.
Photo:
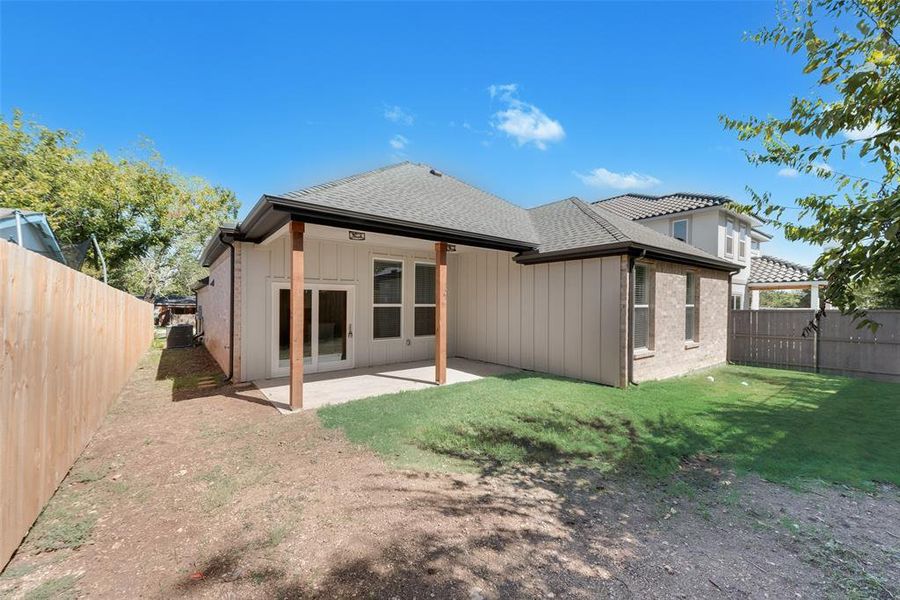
(769, 273)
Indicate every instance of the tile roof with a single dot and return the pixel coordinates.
(643, 206)
(770, 269)
(419, 194)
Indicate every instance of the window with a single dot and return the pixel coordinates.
(729, 236)
(642, 302)
(425, 293)
(387, 299)
(754, 246)
(743, 241)
(737, 301)
(680, 230)
(692, 293)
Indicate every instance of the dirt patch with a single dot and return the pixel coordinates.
(205, 491)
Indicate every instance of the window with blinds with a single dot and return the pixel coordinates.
(424, 301)
(690, 307)
(642, 301)
(729, 237)
(387, 299)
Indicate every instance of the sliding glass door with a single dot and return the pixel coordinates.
(327, 320)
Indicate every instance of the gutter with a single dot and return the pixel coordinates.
(345, 219)
(630, 248)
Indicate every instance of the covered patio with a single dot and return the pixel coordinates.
(336, 387)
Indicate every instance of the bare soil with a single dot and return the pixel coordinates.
(194, 489)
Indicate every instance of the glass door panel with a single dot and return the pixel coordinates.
(284, 327)
(332, 321)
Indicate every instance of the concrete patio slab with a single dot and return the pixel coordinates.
(335, 387)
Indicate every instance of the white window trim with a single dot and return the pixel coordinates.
(417, 305)
(743, 240)
(731, 221)
(402, 262)
(695, 332)
(740, 298)
(687, 229)
(649, 306)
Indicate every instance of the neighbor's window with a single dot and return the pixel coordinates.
(387, 299)
(680, 230)
(737, 301)
(642, 303)
(754, 245)
(425, 293)
(729, 236)
(743, 241)
(692, 293)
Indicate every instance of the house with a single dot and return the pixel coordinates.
(406, 263)
(705, 221)
(31, 230)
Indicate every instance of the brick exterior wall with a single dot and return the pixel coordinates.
(213, 303)
(670, 354)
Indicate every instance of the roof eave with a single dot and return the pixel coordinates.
(344, 219)
(629, 248)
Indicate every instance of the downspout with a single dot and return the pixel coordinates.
(230, 312)
(629, 343)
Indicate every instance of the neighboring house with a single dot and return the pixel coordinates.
(31, 230)
(174, 310)
(705, 221)
(768, 273)
(405, 263)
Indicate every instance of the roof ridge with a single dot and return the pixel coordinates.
(632, 194)
(330, 184)
(597, 218)
(466, 183)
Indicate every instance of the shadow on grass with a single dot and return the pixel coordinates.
(194, 374)
(809, 427)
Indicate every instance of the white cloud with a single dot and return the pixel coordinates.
(869, 131)
(396, 114)
(604, 178)
(789, 172)
(398, 142)
(524, 122)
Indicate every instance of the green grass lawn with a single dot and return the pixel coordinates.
(785, 425)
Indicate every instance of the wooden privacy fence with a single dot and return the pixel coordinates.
(68, 344)
(774, 338)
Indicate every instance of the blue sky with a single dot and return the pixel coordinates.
(533, 102)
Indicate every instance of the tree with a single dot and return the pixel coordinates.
(784, 299)
(149, 220)
(851, 49)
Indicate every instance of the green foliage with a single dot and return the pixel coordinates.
(785, 425)
(784, 299)
(851, 49)
(150, 220)
(880, 293)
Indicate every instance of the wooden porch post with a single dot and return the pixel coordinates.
(297, 312)
(440, 313)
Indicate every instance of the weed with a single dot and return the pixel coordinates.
(64, 530)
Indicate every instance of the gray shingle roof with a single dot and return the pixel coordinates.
(571, 224)
(418, 194)
(642, 206)
(415, 200)
(770, 269)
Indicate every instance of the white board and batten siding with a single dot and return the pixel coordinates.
(560, 318)
(327, 261)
